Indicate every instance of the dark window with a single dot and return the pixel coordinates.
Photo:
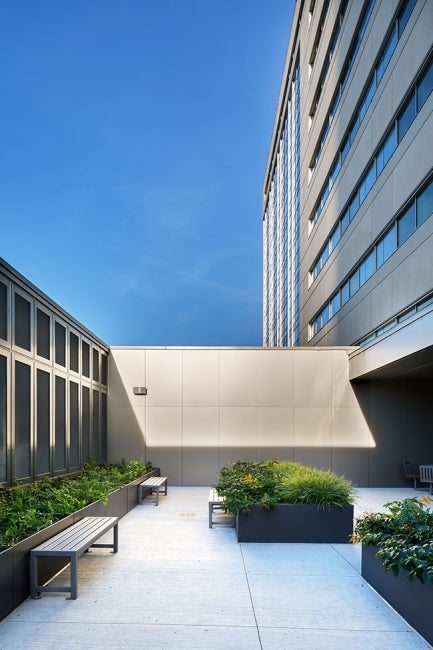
(104, 451)
(3, 311)
(22, 420)
(43, 419)
(60, 344)
(74, 348)
(104, 369)
(42, 334)
(386, 246)
(3, 417)
(74, 450)
(85, 423)
(85, 359)
(403, 17)
(95, 428)
(95, 356)
(22, 322)
(60, 424)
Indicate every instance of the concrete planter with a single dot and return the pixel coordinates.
(288, 522)
(14, 560)
(411, 599)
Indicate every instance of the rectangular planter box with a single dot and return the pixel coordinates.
(14, 561)
(289, 522)
(411, 599)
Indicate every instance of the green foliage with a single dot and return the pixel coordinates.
(25, 509)
(403, 535)
(266, 483)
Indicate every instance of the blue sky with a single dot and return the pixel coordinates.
(134, 138)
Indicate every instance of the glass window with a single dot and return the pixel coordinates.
(367, 267)
(406, 117)
(345, 148)
(345, 295)
(406, 224)
(404, 15)
(386, 151)
(43, 420)
(425, 86)
(344, 221)
(424, 204)
(60, 424)
(368, 96)
(367, 182)
(22, 420)
(354, 283)
(386, 246)
(334, 238)
(386, 56)
(95, 356)
(334, 304)
(354, 206)
(74, 419)
(22, 322)
(85, 423)
(60, 344)
(74, 347)
(85, 359)
(334, 172)
(3, 417)
(354, 130)
(42, 334)
(95, 427)
(3, 311)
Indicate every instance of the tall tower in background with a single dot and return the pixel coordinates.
(348, 190)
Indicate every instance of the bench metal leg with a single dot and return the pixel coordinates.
(74, 576)
(33, 575)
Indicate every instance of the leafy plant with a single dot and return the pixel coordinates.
(25, 509)
(403, 535)
(245, 484)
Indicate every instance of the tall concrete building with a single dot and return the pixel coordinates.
(348, 189)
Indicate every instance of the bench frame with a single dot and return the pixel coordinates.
(153, 485)
(215, 505)
(71, 543)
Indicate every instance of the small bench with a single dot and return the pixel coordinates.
(71, 542)
(152, 485)
(215, 505)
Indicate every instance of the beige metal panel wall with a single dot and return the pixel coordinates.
(207, 407)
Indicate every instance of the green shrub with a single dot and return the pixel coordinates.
(403, 535)
(25, 509)
(247, 483)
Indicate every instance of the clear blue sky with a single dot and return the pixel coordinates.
(134, 137)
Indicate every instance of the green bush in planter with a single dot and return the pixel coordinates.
(245, 484)
(403, 535)
(25, 509)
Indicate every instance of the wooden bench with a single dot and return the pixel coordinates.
(152, 485)
(71, 543)
(215, 505)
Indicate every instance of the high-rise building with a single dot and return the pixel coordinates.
(348, 189)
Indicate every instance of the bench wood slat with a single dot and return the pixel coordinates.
(71, 542)
(154, 485)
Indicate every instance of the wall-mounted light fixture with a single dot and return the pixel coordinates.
(140, 390)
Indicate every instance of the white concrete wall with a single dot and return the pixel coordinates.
(206, 407)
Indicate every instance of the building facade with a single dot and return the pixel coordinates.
(348, 190)
(53, 386)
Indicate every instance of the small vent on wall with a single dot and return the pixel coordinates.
(140, 390)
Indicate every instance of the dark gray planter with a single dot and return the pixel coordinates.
(289, 522)
(411, 599)
(14, 561)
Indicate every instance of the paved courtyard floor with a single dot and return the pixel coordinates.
(177, 584)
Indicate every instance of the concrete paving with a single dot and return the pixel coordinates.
(177, 584)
